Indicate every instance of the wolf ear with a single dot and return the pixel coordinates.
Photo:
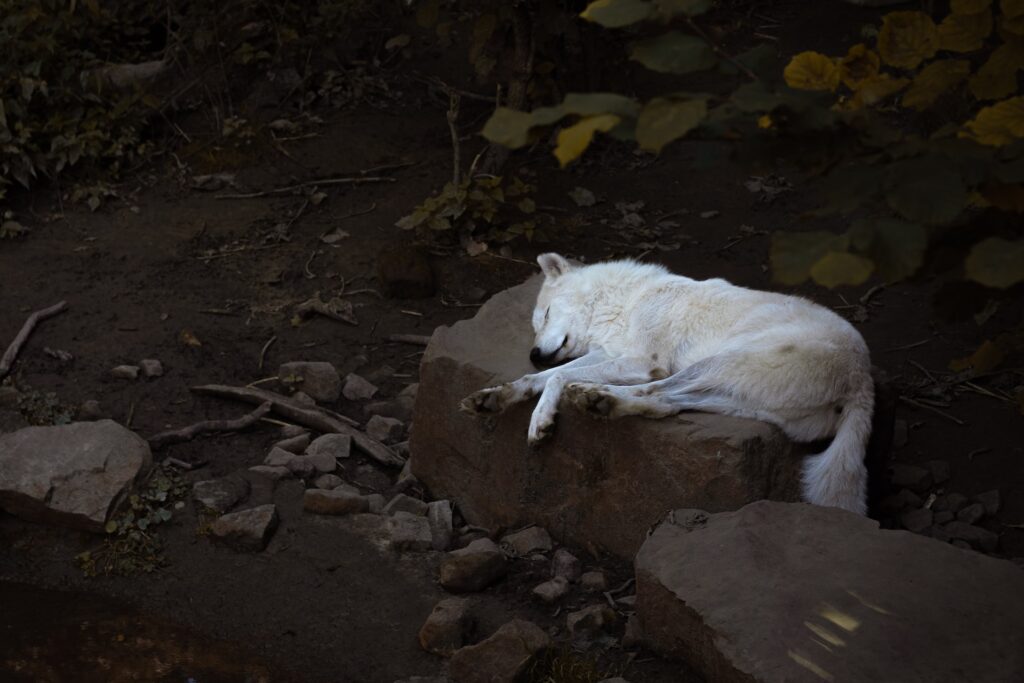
(553, 265)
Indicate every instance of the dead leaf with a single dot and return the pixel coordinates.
(583, 197)
(336, 309)
(188, 339)
(334, 236)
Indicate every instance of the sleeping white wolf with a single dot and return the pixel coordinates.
(629, 338)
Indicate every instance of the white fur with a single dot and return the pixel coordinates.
(647, 342)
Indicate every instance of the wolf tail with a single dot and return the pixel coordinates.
(838, 477)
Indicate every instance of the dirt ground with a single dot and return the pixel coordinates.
(323, 602)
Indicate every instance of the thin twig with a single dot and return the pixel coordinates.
(30, 324)
(232, 252)
(263, 351)
(453, 117)
(417, 339)
(188, 433)
(358, 213)
(388, 167)
(941, 413)
(311, 183)
(905, 347)
(180, 464)
(929, 375)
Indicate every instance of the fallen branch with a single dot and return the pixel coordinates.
(417, 339)
(15, 348)
(924, 406)
(314, 417)
(310, 183)
(188, 433)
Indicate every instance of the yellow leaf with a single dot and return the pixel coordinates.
(573, 141)
(859, 64)
(934, 80)
(876, 89)
(841, 268)
(1012, 8)
(764, 122)
(812, 71)
(965, 32)
(188, 339)
(986, 359)
(999, 124)
(969, 6)
(998, 76)
(907, 39)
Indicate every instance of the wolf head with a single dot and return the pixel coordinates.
(562, 314)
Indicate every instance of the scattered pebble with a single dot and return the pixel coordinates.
(220, 495)
(939, 470)
(335, 502)
(524, 542)
(971, 514)
(328, 482)
(474, 567)
(404, 503)
(295, 444)
(590, 620)
(126, 372)
(990, 500)
(274, 472)
(90, 411)
(565, 564)
(385, 429)
(410, 532)
(952, 502)
(151, 367)
(247, 530)
(338, 446)
(594, 581)
(447, 628)
(301, 397)
(375, 501)
(319, 380)
(357, 388)
(278, 457)
(505, 657)
(553, 590)
(913, 477)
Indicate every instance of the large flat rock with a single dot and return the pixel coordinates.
(70, 475)
(600, 483)
(793, 592)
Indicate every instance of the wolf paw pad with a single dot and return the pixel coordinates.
(485, 401)
(592, 400)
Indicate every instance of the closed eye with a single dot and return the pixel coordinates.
(547, 313)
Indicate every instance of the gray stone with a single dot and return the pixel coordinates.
(295, 444)
(303, 398)
(151, 368)
(505, 657)
(447, 628)
(406, 477)
(274, 472)
(125, 372)
(827, 578)
(952, 502)
(385, 429)
(590, 620)
(972, 513)
(90, 411)
(979, 538)
(990, 500)
(899, 502)
(288, 431)
(564, 563)
(338, 446)
(278, 457)
(70, 475)
(358, 389)
(399, 408)
(439, 514)
(220, 495)
(301, 466)
(328, 482)
(913, 477)
(319, 380)
(595, 581)
(404, 503)
(587, 480)
(524, 542)
(939, 470)
(334, 502)
(473, 568)
(410, 532)
(247, 530)
(375, 503)
(323, 462)
(553, 590)
(917, 520)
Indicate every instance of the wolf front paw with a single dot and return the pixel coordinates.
(542, 426)
(487, 401)
(593, 399)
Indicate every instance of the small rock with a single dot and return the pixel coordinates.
(323, 462)
(410, 391)
(220, 495)
(709, 214)
(338, 446)
(982, 539)
(358, 389)
(335, 502)
(627, 600)
(385, 429)
(375, 501)
(553, 590)
(917, 520)
(278, 457)
(565, 564)
(943, 516)
(405, 477)
(524, 542)
(952, 502)
(439, 514)
(381, 374)
(400, 408)
(972, 513)
(303, 398)
(295, 444)
(505, 657)
(633, 635)
(301, 466)
(901, 501)
(990, 500)
(594, 582)
(328, 482)
(474, 567)
(447, 627)
(246, 529)
(912, 477)
(151, 367)
(288, 431)
(410, 532)
(939, 470)
(317, 379)
(404, 503)
(274, 472)
(90, 411)
(590, 620)
(125, 372)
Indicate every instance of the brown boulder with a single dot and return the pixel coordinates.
(502, 658)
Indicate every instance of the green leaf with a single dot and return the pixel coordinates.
(996, 262)
(110, 527)
(896, 247)
(617, 13)
(848, 187)
(755, 97)
(592, 104)
(793, 254)
(664, 120)
(691, 8)
(925, 190)
(841, 268)
(508, 127)
(674, 53)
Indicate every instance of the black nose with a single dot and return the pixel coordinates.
(535, 354)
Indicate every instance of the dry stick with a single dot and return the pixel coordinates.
(311, 183)
(15, 348)
(942, 413)
(453, 116)
(263, 351)
(314, 417)
(417, 339)
(188, 433)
